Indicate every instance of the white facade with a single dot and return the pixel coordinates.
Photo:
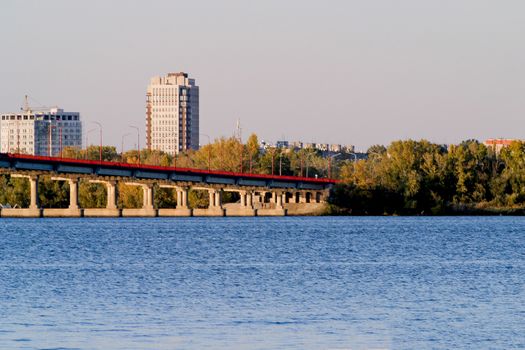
(172, 113)
(40, 133)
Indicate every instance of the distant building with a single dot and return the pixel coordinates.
(41, 133)
(282, 144)
(172, 113)
(498, 144)
(297, 144)
(309, 145)
(348, 149)
(336, 148)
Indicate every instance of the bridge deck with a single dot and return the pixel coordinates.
(24, 162)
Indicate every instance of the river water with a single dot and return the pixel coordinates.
(263, 283)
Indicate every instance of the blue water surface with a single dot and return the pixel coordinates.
(263, 283)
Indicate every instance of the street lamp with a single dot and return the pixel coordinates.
(330, 163)
(280, 164)
(87, 133)
(122, 146)
(138, 140)
(100, 147)
(209, 150)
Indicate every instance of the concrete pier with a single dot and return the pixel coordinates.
(102, 212)
(176, 212)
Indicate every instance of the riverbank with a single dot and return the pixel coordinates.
(481, 209)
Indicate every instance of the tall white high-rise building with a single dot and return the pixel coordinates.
(40, 133)
(172, 113)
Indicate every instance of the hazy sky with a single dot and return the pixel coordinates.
(351, 72)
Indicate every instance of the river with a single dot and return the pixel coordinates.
(263, 283)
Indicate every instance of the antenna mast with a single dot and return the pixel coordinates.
(238, 130)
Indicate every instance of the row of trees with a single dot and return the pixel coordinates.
(419, 177)
(227, 154)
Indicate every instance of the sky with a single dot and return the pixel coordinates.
(349, 72)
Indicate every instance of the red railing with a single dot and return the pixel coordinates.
(164, 168)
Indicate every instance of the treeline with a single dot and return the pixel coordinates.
(419, 177)
(227, 154)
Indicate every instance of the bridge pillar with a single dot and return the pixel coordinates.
(34, 205)
(148, 196)
(249, 199)
(215, 205)
(302, 197)
(245, 206)
(33, 182)
(218, 199)
(182, 198)
(243, 195)
(111, 209)
(278, 198)
(285, 197)
(112, 194)
(73, 193)
(181, 209)
(73, 210)
(211, 194)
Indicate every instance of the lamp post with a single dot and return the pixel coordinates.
(87, 133)
(122, 146)
(280, 164)
(330, 164)
(138, 141)
(87, 145)
(100, 146)
(273, 160)
(209, 150)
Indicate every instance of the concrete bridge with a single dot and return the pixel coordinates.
(260, 195)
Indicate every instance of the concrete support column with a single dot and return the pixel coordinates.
(278, 200)
(182, 198)
(148, 196)
(218, 201)
(33, 182)
(243, 198)
(111, 187)
(249, 199)
(302, 197)
(211, 198)
(73, 193)
(283, 197)
(179, 198)
(185, 198)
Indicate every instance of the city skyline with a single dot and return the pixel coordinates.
(349, 73)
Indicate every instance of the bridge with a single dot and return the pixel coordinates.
(260, 195)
